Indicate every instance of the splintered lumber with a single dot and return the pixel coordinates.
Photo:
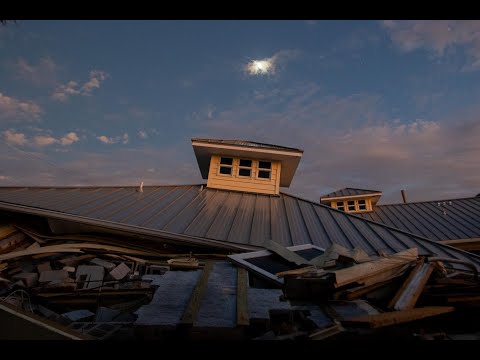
(285, 253)
(243, 318)
(397, 317)
(408, 294)
(359, 291)
(361, 272)
(11, 242)
(42, 250)
(336, 251)
(193, 307)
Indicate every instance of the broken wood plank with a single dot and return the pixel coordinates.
(11, 242)
(193, 307)
(295, 272)
(42, 250)
(360, 272)
(359, 291)
(285, 253)
(72, 261)
(6, 230)
(35, 245)
(326, 333)
(335, 251)
(397, 317)
(29, 279)
(408, 294)
(243, 319)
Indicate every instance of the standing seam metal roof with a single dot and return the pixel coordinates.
(436, 220)
(225, 216)
(349, 192)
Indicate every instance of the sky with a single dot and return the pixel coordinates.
(383, 105)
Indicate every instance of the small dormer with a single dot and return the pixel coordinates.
(352, 200)
(245, 165)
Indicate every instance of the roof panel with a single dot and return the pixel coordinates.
(278, 217)
(233, 217)
(427, 219)
(244, 143)
(349, 192)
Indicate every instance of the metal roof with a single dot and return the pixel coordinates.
(229, 217)
(436, 220)
(350, 192)
(246, 144)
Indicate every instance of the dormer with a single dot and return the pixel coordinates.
(245, 165)
(352, 200)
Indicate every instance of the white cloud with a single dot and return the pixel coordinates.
(14, 138)
(151, 170)
(3, 177)
(43, 140)
(63, 92)
(44, 73)
(438, 36)
(125, 138)
(107, 140)
(142, 134)
(69, 139)
(18, 110)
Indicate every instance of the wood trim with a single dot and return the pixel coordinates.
(350, 196)
(243, 317)
(191, 311)
(247, 148)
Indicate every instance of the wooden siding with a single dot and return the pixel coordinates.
(241, 183)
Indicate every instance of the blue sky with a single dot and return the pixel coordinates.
(383, 105)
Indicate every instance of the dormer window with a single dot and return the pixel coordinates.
(264, 169)
(245, 168)
(237, 165)
(352, 205)
(226, 166)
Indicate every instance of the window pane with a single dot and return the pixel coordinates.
(265, 164)
(226, 161)
(351, 202)
(361, 202)
(264, 174)
(244, 172)
(225, 170)
(246, 163)
(340, 206)
(362, 207)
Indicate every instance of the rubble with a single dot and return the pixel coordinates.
(103, 291)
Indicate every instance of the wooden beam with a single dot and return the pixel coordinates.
(193, 307)
(243, 318)
(6, 230)
(363, 271)
(359, 291)
(285, 253)
(408, 294)
(472, 244)
(397, 317)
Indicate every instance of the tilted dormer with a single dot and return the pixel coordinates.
(245, 165)
(352, 200)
